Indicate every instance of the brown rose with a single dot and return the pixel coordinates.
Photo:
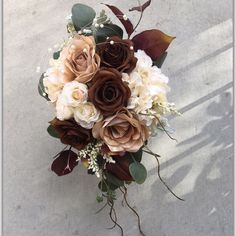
(79, 59)
(121, 132)
(71, 133)
(117, 53)
(108, 92)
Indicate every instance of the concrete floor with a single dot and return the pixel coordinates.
(199, 168)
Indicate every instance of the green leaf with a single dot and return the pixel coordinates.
(113, 180)
(137, 156)
(103, 18)
(159, 62)
(82, 16)
(41, 88)
(108, 30)
(99, 199)
(51, 130)
(105, 186)
(138, 172)
(56, 55)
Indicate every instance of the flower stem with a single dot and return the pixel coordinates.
(140, 18)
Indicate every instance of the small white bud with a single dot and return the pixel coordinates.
(37, 69)
(68, 17)
(102, 26)
(95, 20)
(84, 50)
(112, 42)
(96, 25)
(80, 32)
(125, 17)
(131, 48)
(44, 94)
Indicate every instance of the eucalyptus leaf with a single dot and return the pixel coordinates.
(138, 172)
(56, 55)
(108, 30)
(82, 16)
(41, 88)
(159, 62)
(51, 130)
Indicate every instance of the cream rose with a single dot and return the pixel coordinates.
(53, 84)
(74, 93)
(63, 112)
(79, 59)
(86, 115)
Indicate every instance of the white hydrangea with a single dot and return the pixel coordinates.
(146, 83)
(148, 87)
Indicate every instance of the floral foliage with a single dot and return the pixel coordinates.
(108, 97)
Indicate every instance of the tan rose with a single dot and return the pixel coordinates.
(121, 132)
(79, 59)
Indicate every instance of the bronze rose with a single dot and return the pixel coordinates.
(122, 132)
(79, 59)
(108, 92)
(117, 53)
(71, 133)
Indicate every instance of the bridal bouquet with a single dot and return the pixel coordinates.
(109, 97)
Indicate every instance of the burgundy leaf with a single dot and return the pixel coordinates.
(153, 42)
(141, 8)
(126, 22)
(65, 163)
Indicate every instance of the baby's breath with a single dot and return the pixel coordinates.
(90, 152)
(108, 158)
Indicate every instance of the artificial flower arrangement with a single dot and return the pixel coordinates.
(109, 96)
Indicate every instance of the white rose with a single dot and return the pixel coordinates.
(74, 93)
(63, 112)
(86, 115)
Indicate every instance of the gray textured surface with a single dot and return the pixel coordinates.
(199, 168)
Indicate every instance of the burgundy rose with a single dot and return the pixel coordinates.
(108, 92)
(71, 133)
(117, 53)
